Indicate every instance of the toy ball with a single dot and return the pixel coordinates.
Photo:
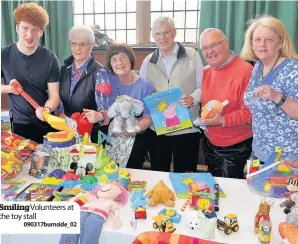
(207, 112)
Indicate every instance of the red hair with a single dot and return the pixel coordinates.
(31, 13)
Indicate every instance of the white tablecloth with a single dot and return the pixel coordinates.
(240, 200)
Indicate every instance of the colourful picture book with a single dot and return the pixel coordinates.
(180, 182)
(167, 114)
(38, 192)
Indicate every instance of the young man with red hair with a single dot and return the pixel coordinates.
(35, 67)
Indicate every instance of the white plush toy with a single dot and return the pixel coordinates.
(124, 111)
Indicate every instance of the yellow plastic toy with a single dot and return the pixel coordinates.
(229, 225)
(163, 223)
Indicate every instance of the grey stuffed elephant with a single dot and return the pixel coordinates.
(124, 111)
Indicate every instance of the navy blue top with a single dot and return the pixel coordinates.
(33, 72)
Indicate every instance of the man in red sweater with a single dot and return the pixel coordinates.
(229, 135)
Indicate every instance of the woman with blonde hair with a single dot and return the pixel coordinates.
(272, 94)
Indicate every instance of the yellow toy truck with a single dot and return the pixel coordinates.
(229, 225)
(163, 223)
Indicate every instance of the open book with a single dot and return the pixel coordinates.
(167, 114)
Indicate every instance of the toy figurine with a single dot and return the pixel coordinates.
(229, 225)
(263, 213)
(292, 186)
(264, 235)
(95, 211)
(207, 225)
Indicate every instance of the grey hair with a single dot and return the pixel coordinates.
(161, 19)
(220, 32)
(81, 32)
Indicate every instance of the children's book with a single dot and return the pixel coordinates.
(167, 114)
(38, 192)
(181, 181)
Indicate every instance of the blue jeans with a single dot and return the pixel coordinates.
(91, 225)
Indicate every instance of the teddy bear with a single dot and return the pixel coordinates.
(124, 111)
(161, 194)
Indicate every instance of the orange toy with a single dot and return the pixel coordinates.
(207, 110)
(161, 194)
(289, 232)
(263, 213)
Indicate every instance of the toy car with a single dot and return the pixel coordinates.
(140, 213)
(175, 217)
(163, 223)
(229, 225)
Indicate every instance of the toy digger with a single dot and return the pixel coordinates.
(164, 223)
(229, 224)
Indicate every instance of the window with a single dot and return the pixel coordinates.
(185, 14)
(129, 20)
(116, 18)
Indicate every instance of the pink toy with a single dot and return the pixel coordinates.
(95, 211)
(171, 117)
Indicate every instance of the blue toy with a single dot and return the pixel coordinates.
(171, 213)
(138, 199)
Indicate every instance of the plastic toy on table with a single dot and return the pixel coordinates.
(259, 178)
(200, 197)
(140, 213)
(51, 181)
(136, 185)
(291, 194)
(264, 234)
(40, 161)
(262, 214)
(229, 225)
(106, 169)
(163, 223)
(172, 213)
(138, 199)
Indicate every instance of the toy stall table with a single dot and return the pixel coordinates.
(240, 200)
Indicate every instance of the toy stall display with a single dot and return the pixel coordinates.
(22, 146)
(11, 163)
(272, 180)
(181, 181)
(99, 203)
(40, 161)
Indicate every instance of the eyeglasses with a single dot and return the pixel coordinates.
(80, 45)
(159, 34)
(115, 59)
(212, 47)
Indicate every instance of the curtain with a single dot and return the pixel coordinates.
(231, 17)
(56, 33)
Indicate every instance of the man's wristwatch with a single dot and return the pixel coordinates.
(282, 100)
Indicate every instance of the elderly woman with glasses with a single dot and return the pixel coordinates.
(272, 94)
(128, 150)
(84, 83)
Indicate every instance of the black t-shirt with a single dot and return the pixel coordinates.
(33, 72)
